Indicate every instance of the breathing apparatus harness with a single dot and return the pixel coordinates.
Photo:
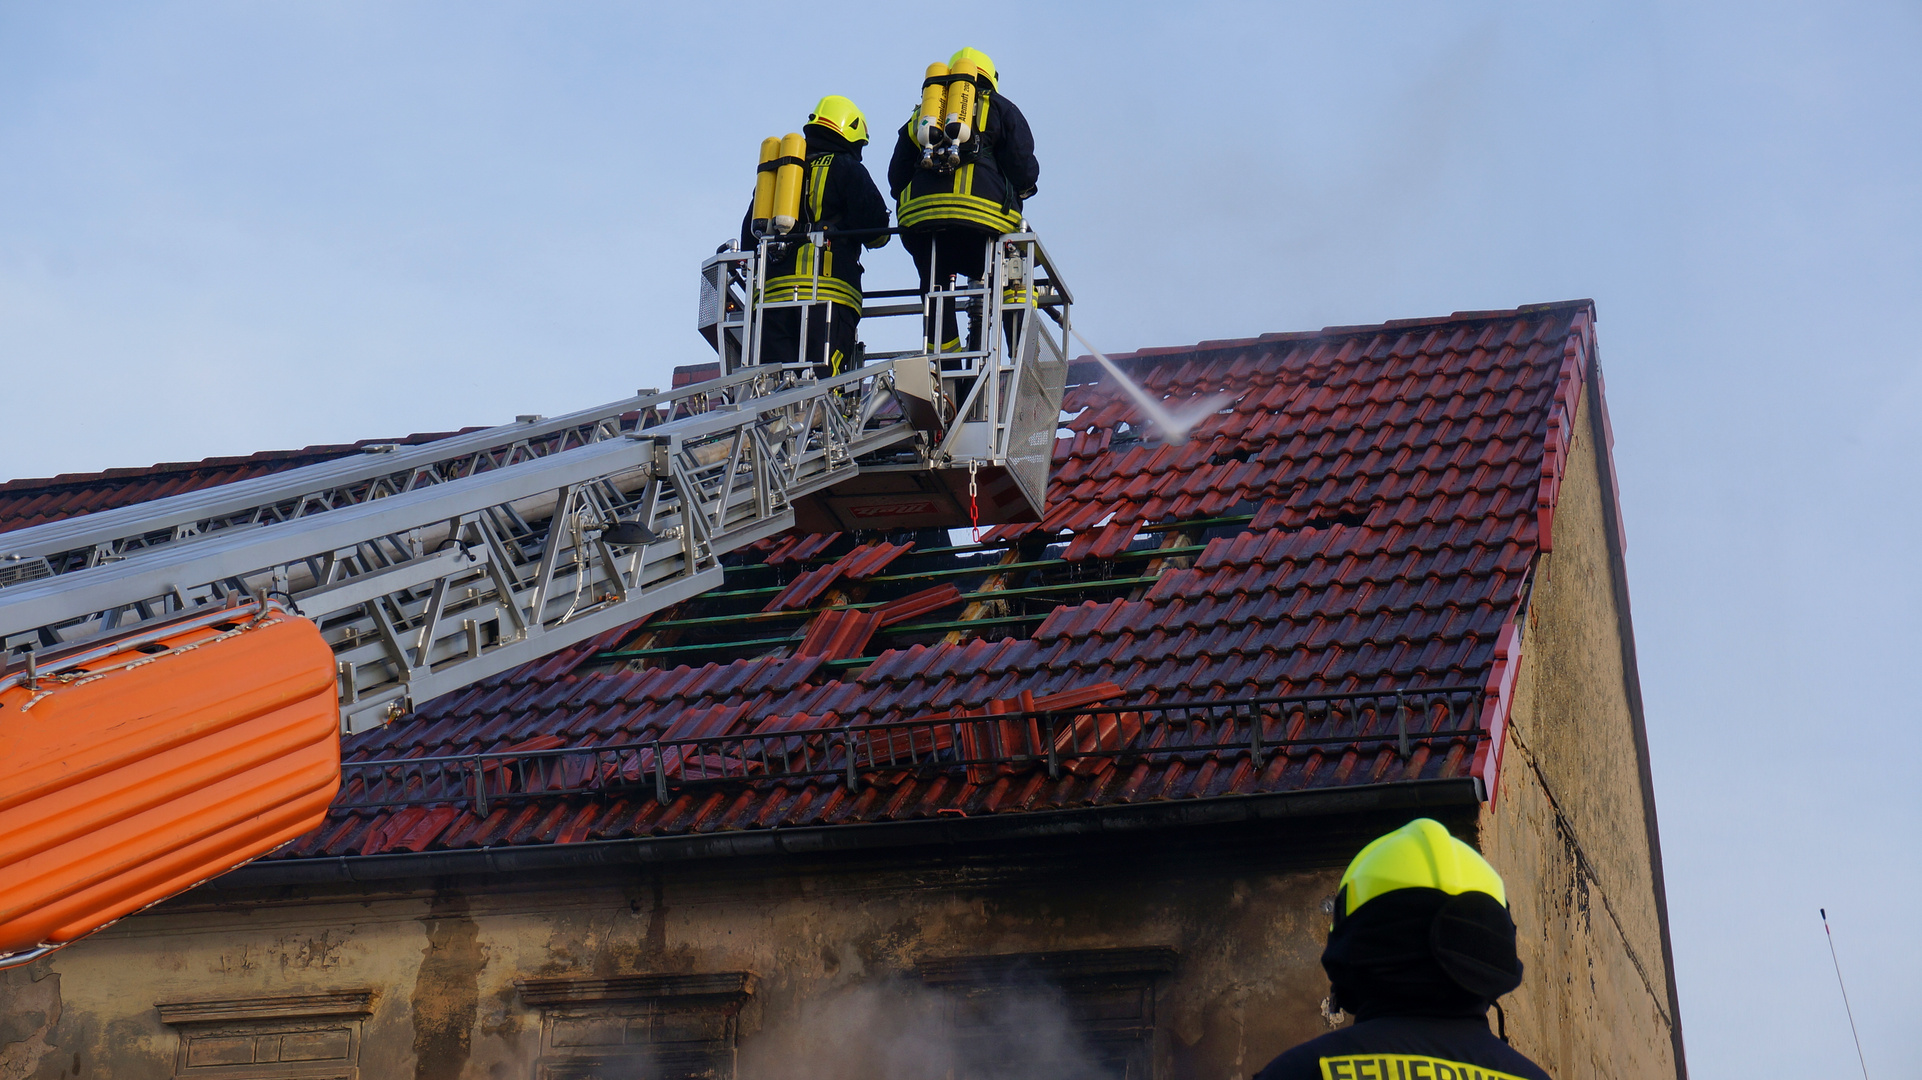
(949, 124)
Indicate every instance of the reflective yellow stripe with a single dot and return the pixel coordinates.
(1404, 1067)
(806, 286)
(790, 287)
(804, 261)
(818, 185)
(812, 290)
(922, 209)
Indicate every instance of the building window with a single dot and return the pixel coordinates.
(295, 1037)
(663, 1027)
(1102, 1000)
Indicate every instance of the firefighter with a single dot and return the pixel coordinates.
(837, 194)
(948, 210)
(1422, 945)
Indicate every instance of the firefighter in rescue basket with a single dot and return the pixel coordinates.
(807, 182)
(963, 165)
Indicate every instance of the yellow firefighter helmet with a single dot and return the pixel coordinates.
(1419, 855)
(841, 116)
(981, 63)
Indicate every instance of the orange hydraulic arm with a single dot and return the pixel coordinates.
(140, 767)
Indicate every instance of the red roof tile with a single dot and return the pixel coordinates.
(804, 588)
(914, 605)
(1361, 512)
(860, 564)
(836, 635)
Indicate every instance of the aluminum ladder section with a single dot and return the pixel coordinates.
(428, 568)
(987, 415)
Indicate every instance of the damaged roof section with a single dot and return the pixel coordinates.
(1354, 525)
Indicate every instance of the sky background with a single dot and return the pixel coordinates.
(244, 226)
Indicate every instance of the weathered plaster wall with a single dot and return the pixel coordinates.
(30, 1008)
(1248, 932)
(1568, 829)
(108, 985)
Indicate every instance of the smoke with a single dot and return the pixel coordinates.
(897, 1031)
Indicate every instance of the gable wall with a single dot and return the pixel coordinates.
(1568, 828)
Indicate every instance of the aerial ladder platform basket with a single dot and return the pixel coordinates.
(177, 674)
(984, 416)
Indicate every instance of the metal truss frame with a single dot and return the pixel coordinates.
(430, 568)
(998, 403)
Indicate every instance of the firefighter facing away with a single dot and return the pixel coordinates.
(836, 194)
(1422, 945)
(962, 166)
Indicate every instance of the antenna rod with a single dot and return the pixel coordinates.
(1845, 993)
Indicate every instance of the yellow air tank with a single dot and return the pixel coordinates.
(787, 182)
(927, 123)
(960, 111)
(764, 185)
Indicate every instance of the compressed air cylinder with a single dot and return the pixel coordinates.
(960, 110)
(764, 185)
(787, 182)
(927, 125)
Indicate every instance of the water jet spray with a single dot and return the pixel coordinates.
(1174, 424)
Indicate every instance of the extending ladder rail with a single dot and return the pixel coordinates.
(431, 567)
(379, 471)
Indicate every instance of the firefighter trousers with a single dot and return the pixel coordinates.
(831, 336)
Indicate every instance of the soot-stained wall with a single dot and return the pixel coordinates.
(1242, 913)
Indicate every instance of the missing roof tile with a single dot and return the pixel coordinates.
(1348, 518)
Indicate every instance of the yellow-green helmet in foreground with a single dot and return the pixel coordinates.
(1419, 855)
(1421, 928)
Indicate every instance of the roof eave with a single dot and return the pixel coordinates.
(1464, 792)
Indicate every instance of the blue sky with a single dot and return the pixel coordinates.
(227, 227)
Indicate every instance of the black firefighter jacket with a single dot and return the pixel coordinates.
(836, 194)
(998, 170)
(1405, 1048)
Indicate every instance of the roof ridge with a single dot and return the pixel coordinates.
(1162, 353)
(165, 468)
